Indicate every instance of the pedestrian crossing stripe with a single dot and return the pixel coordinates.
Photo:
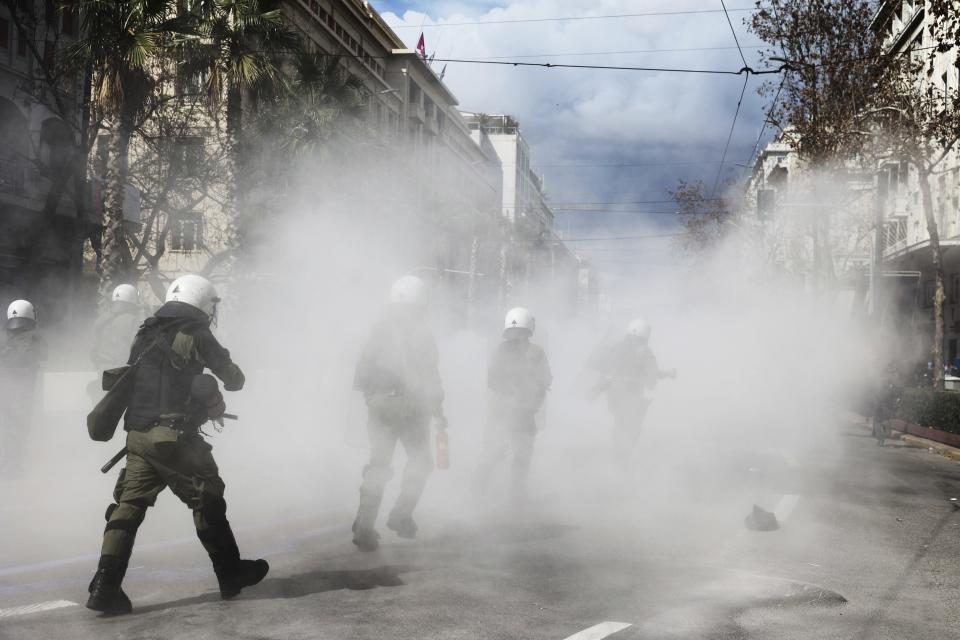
(599, 631)
(37, 607)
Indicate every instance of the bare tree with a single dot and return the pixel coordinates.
(831, 61)
(706, 220)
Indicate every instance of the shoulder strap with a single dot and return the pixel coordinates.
(160, 341)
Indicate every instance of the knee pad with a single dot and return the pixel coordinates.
(110, 509)
(126, 516)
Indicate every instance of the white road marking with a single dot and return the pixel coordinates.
(25, 609)
(599, 631)
(785, 507)
(788, 458)
(88, 557)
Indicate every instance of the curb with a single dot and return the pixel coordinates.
(899, 432)
(935, 447)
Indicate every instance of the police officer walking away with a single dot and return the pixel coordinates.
(22, 353)
(115, 328)
(400, 381)
(165, 447)
(518, 377)
(628, 370)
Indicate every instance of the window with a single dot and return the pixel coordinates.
(49, 54)
(187, 156)
(185, 232)
(4, 33)
(69, 19)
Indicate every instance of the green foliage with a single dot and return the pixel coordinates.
(929, 408)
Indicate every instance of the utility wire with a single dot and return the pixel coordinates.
(575, 203)
(734, 32)
(644, 237)
(549, 65)
(726, 147)
(567, 18)
(757, 46)
(617, 164)
(763, 129)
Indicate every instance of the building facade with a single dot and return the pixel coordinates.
(42, 184)
(906, 296)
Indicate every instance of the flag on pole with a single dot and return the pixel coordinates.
(422, 46)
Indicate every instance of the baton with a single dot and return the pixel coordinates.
(112, 462)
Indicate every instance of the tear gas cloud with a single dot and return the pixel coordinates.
(762, 365)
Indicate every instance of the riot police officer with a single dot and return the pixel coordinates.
(400, 380)
(165, 448)
(518, 378)
(22, 353)
(628, 371)
(115, 328)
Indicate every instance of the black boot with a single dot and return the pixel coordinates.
(366, 538)
(244, 573)
(403, 525)
(105, 592)
(233, 574)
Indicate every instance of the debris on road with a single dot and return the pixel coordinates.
(761, 520)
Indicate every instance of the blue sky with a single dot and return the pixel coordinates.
(598, 135)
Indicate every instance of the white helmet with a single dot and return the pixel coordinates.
(409, 290)
(640, 328)
(519, 318)
(126, 294)
(195, 291)
(21, 315)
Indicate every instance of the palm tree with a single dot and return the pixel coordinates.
(122, 42)
(236, 48)
(318, 94)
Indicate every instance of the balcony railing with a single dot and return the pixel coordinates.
(895, 234)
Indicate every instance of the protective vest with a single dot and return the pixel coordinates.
(161, 384)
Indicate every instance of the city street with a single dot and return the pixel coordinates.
(869, 547)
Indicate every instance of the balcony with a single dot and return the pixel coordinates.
(895, 234)
(415, 112)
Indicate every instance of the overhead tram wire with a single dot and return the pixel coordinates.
(743, 90)
(757, 46)
(641, 237)
(763, 129)
(726, 147)
(549, 65)
(569, 18)
(734, 32)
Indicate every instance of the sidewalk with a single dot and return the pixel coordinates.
(909, 433)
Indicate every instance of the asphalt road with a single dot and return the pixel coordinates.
(869, 547)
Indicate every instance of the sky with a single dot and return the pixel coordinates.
(602, 136)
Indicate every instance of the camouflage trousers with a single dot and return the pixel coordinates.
(413, 433)
(165, 457)
(507, 431)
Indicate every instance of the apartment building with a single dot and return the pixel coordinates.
(812, 229)
(904, 242)
(41, 182)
